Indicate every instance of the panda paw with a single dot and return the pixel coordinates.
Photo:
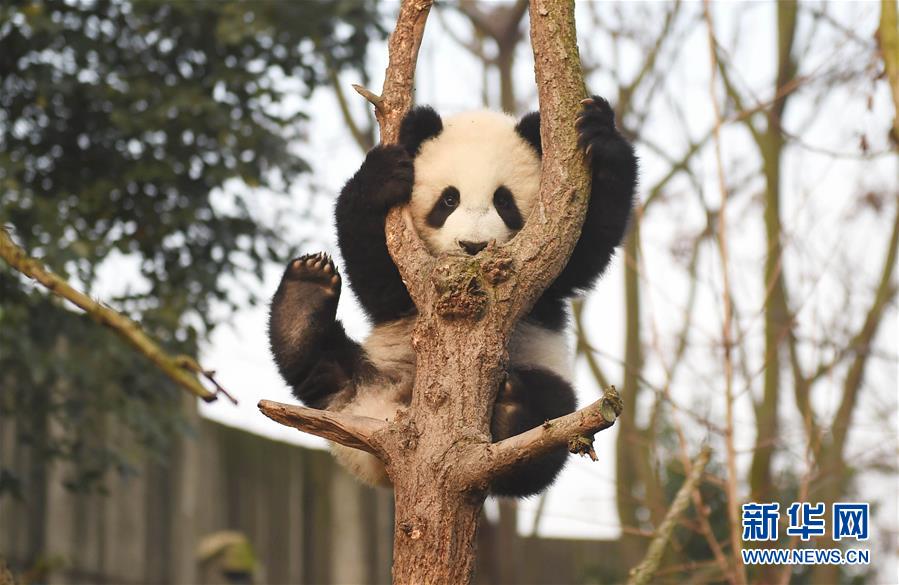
(391, 169)
(596, 128)
(317, 269)
(507, 410)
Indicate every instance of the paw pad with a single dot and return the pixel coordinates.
(315, 268)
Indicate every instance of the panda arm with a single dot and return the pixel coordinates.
(312, 351)
(614, 173)
(383, 181)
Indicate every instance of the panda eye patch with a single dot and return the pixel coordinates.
(450, 197)
(504, 202)
(443, 208)
(503, 198)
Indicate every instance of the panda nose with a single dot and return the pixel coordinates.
(472, 248)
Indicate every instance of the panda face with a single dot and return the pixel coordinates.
(476, 181)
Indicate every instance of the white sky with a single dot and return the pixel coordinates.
(818, 190)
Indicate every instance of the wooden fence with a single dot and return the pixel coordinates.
(305, 518)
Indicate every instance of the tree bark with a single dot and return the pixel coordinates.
(438, 453)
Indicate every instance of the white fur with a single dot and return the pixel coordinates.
(476, 152)
(376, 403)
(389, 348)
(535, 346)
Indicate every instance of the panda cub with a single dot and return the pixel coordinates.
(469, 179)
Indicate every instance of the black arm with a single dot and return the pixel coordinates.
(614, 174)
(383, 181)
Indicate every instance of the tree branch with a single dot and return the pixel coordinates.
(183, 370)
(888, 41)
(544, 245)
(861, 342)
(349, 430)
(643, 573)
(574, 430)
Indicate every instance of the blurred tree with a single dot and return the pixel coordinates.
(137, 132)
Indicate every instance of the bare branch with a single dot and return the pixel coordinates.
(349, 430)
(363, 137)
(861, 342)
(543, 246)
(396, 96)
(180, 369)
(727, 321)
(574, 430)
(373, 98)
(643, 573)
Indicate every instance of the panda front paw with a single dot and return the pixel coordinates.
(316, 269)
(391, 169)
(597, 135)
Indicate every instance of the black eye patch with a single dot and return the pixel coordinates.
(504, 202)
(448, 202)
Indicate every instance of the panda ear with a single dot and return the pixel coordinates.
(529, 129)
(420, 123)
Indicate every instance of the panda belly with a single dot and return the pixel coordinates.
(389, 349)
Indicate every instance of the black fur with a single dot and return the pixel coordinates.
(614, 170)
(384, 180)
(504, 203)
(420, 124)
(313, 353)
(529, 398)
(529, 129)
(443, 207)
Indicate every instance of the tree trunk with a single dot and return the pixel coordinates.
(438, 453)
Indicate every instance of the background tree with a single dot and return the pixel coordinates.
(141, 136)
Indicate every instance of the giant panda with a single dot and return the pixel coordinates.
(469, 179)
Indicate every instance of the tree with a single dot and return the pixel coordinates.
(438, 454)
(137, 136)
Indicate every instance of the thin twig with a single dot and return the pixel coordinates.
(726, 326)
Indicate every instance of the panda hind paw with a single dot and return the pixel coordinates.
(316, 269)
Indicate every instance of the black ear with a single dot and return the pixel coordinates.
(529, 129)
(419, 124)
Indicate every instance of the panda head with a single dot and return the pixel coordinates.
(477, 176)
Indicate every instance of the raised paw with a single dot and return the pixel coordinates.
(596, 126)
(390, 169)
(316, 269)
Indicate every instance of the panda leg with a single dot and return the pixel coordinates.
(311, 349)
(529, 397)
